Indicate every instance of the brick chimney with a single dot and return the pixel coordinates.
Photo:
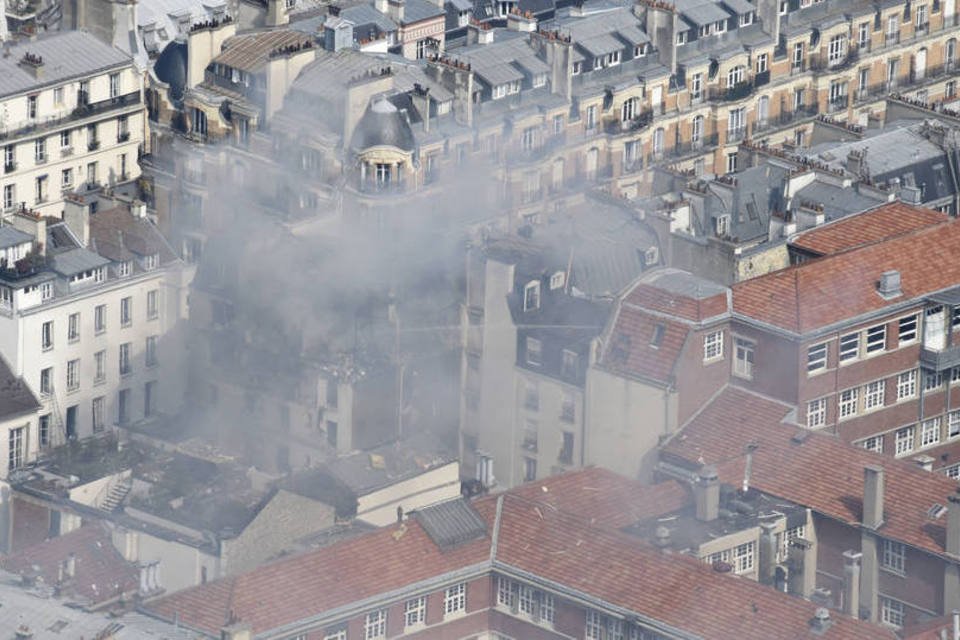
(707, 494)
(872, 496)
(802, 579)
(76, 213)
(851, 583)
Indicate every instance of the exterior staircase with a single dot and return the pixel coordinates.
(115, 496)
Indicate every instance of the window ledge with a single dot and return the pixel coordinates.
(893, 572)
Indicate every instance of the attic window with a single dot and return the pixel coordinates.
(531, 296)
(657, 337)
(557, 280)
(151, 261)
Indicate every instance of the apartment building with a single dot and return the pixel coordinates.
(534, 306)
(523, 564)
(74, 118)
(860, 338)
(89, 315)
(885, 531)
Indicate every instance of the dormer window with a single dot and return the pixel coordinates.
(123, 269)
(784, 7)
(746, 19)
(639, 51)
(613, 59)
(681, 38)
(531, 296)
(719, 26)
(539, 80)
(704, 31)
(151, 261)
(723, 225)
(577, 68)
(557, 280)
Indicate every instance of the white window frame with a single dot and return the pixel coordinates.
(873, 395)
(375, 625)
(905, 439)
(415, 612)
(817, 413)
(891, 612)
(534, 351)
(531, 295)
(930, 432)
(455, 599)
(875, 340)
(907, 385)
(73, 374)
(744, 558)
(907, 328)
(713, 346)
(874, 443)
(893, 556)
(953, 424)
(849, 349)
(745, 357)
(817, 358)
(848, 403)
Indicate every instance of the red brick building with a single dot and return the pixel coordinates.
(544, 561)
(887, 533)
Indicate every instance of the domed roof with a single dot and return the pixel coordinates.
(171, 68)
(383, 125)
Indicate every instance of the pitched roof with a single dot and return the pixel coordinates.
(250, 52)
(836, 288)
(101, 572)
(15, 396)
(882, 223)
(119, 235)
(820, 471)
(633, 348)
(596, 561)
(680, 294)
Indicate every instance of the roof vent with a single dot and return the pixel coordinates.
(821, 620)
(452, 523)
(661, 537)
(889, 285)
(936, 511)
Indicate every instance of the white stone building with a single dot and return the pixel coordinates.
(71, 114)
(89, 314)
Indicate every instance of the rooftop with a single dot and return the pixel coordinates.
(119, 235)
(16, 399)
(250, 52)
(883, 223)
(812, 469)
(817, 294)
(66, 55)
(585, 558)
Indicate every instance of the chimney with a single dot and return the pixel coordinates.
(855, 162)
(889, 285)
(872, 496)
(32, 64)
(956, 625)
(707, 494)
(381, 6)
(76, 213)
(139, 209)
(953, 524)
(70, 568)
(802, 577)
(523, 22)
(277, 13)
(236, 631)
(661, 537)
(851, 583)
(821, 621)
(399, 514)
(768, 552)
(479, 34)
(396, 8)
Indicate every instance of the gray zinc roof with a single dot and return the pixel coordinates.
(66, 55)
(740, 7)
(417, 10)
(452, 523)
(701, 12)
(76, 261)
(363, 14)
(11, 237)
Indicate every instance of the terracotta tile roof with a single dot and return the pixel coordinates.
(679, 294)
(675, 589)
(604, 497)
(580, 551)
(101, 572)
(820, 472)
(121, 236)
(839, 287)
(882, 223)
(630, 350)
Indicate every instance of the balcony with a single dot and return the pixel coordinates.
(837, 104)
(539, 152)
(890, 39)
(824, 63)
(691, 147)
(82, 111)
(9, 167)
(729, 94)
(940, 359)
(736, 135)
(123, 137)
(93, 145)
(761, 78)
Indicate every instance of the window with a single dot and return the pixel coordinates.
(798, 55)
(719, 26)
(743, 364)
(746, 19)
(893, 556)
(873, 394)
(375, 625)
(46, 290)
(863, 35)
(9, 196)
(836, 49)
(40, 150)
(455, 599)
(762, 63)
(505, 592)
(569, 363)
(876, 338)
(904, 441)
(681, 38)
(100, 318)
(907, 385)
(66, 178)
(46, 381)
(713, 346)
(891, 612)
(100, 360)
(816, 413)
(630, 109)
(591, 117)
(930, 432)
(849, 347)
(421, 49)
(73, 375)
(96, 408)
(114, 85)
(125, 358)
(893, 26)
(123, 406)
(874, 443)
(547, 607)
(15, 446)
(557, 280)
(531, 296)
(415, 612)
(817, 357)
(848, 403)
(921, 17)
(126, 311)
(73, 327)
(151, 351)
(529, 469)
(46, 335)
(953, 424)
(732, 162)
(152, 306)
(743, 558)
(734, 76)
(44, 430)
(908, 329)
(696, 86)
(65, 139)
(528, 138)
(932, 380)
(31, 107)
(124, 269)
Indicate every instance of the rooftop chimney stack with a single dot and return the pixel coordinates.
(70, 568)
(953, 524)
(821, 620)
(889, 285)
(707, 494)
(872, 496)
(851, 583)
(768, 552)
(802, 578)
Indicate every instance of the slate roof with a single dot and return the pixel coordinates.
(74, 261)
(66, 55)
(817, 294)
(418, 10)
(251, 52)
(820, 472)
(11, 237)
(561, 550)
(102, 573)
(382, 125)
(883, 223)
(120, 236)
(15, 396)
(452, 523)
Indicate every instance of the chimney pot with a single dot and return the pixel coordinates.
(707, 494)
(851, 583)
(889, 285)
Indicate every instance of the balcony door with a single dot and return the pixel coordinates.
(920, 64)
(934, 328)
